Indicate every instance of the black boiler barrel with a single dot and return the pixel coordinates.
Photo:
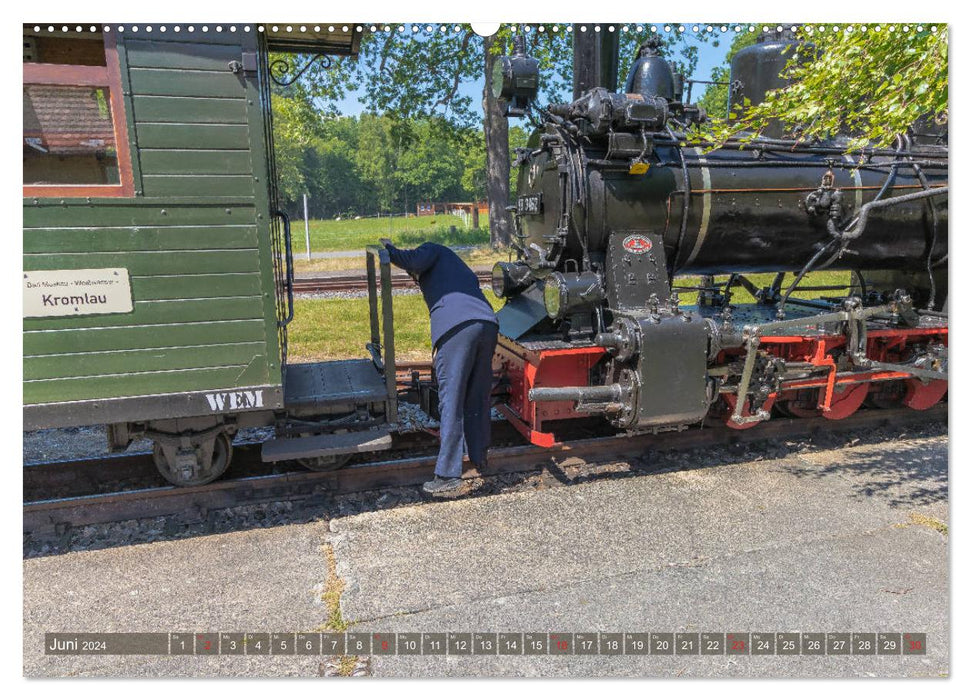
(747, 214)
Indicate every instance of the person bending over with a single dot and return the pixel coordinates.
(464, 334)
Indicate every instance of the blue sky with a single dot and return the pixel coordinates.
(709, 57)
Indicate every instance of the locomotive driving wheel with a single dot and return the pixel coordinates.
(922, 395)
(799, 404)
(805, 403)
(190, 466)
(887, 395)
(730, 402)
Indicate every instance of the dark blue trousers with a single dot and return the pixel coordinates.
(463, 366)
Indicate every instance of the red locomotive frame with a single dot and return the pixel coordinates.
(836, 395)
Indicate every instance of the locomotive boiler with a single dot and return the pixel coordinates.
(620, 209)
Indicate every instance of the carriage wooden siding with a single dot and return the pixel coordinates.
(195, 238)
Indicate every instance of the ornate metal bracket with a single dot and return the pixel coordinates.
(281, 67)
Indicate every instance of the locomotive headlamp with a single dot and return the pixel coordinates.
(515, 79)
(553, 295)
(509, 278)
(567, 292)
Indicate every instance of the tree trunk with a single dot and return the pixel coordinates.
(496, 129)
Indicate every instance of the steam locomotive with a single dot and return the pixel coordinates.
(616, 204)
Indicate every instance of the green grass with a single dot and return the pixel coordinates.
(929, 521)
(740, 296)
(330, 329)
(335, 619)
(479, 256)
(350, 234)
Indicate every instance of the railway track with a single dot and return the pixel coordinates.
(357, 282)
(58, 516)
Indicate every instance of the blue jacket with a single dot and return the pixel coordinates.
(450, 287)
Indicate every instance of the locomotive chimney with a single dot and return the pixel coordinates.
(595, 59)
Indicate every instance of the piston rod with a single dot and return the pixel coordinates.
(581, 394)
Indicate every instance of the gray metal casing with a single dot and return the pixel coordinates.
(673, 365)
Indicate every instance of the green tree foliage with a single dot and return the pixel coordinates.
(474, 164)
(432, 165)
(295, 124)
(403, 74)
(334, 179)
(410, 74)
(373, 164)
(376, 158)
(714, 100)
(871, 81)
(314, 155)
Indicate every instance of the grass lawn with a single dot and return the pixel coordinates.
(331, 329)
(740, 296)
(480, 256)
(355, 234)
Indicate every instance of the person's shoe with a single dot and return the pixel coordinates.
(442, 487)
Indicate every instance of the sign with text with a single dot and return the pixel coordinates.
(77, 292)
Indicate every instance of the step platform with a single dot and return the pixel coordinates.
(282, 449)
(328, 383)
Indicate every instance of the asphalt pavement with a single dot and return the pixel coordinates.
(820, 542)
(817, 541)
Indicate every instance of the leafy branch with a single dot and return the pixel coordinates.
(869, 83)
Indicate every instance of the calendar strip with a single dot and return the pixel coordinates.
(488, 643)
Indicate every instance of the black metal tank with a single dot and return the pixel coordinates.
(757, 69)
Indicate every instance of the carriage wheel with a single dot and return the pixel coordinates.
(921, 396)
(730, 401)
(222, 453)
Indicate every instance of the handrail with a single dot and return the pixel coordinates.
(382, 354)
(288, 247)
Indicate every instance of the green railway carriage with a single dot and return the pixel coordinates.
(155, 264)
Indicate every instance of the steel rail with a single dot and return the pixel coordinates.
(357, 282)
(59, 516)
